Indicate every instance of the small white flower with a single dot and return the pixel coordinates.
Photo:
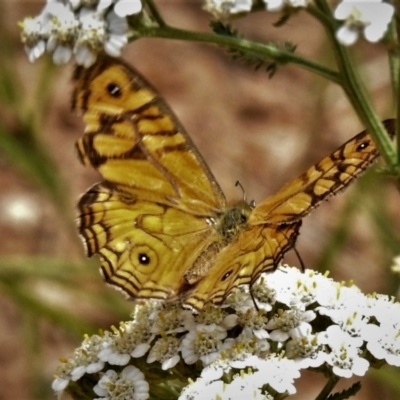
(247, 343)
(290, 323)
(383, 342)
(339, 302)
(129, 384)
(34, 37)
(130, 340)
(165, 350)
(171, 319)
(204, 343)
(212, 315)
(371, 17)
(264, 295)
(335, 337)
(110, 355)
(294, 287)
(344, 356)
(255, 321)
(99, 30)
(346, 362)
(55, 28)
(384, 309)
(117, 34)
(306, 351)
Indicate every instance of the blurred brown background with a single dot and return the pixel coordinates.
(262, 132)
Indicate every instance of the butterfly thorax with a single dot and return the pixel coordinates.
(233, 221)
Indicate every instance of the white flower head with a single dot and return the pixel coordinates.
(371, 17)
(129, 384)
(82, 28)
(241, 340)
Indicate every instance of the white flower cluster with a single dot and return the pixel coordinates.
(371, 17)
(82, 28)
(368, 16)
(304, 320)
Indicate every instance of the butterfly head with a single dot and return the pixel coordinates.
(234, 221)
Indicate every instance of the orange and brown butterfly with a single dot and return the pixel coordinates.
(159, 220)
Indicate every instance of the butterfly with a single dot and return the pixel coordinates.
(159, 221)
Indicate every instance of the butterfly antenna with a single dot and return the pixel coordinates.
(238, 183)
(302, 266)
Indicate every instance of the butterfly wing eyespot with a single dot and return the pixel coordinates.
(114, 90)
(363, 145)
(226, 275)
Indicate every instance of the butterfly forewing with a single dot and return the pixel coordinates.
(331, 175)
(132, 138)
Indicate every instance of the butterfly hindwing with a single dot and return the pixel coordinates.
(256, 250)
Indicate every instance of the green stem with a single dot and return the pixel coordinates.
(356, 91)
(325, 392)
(254, 48)
(394, 62)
